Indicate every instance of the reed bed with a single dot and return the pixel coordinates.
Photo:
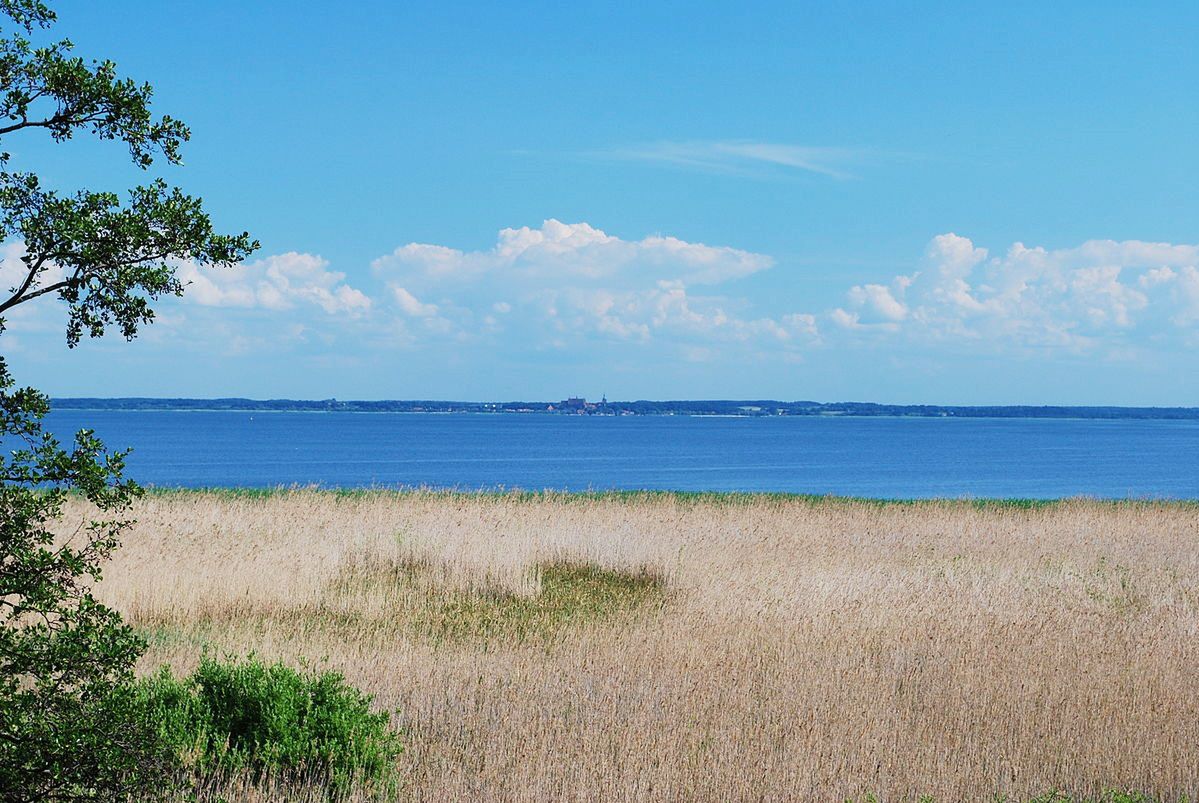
(666, 647)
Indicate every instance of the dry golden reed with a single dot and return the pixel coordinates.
(662, 647)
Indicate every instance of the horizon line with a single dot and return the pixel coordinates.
(709, 400)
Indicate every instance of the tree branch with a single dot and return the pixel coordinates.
(33, 272)
(39, 292)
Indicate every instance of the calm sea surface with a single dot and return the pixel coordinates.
(878, 457)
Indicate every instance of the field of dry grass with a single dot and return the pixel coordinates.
(714, 648)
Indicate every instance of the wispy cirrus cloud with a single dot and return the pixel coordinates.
(741, 157)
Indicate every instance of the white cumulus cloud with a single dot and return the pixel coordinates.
(277, 282)
(411, 305)
(564, 280)
(1095, 294)
(578, 252)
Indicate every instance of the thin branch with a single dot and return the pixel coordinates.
(41, 292)
(62, 118)
(33, 272)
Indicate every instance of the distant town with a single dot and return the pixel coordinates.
(577, 405)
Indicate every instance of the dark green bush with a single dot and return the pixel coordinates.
(272, 720)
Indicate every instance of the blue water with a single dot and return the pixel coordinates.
(877, 457)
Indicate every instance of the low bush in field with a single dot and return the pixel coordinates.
(270, 720)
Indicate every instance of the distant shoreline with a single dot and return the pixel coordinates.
(740, 408)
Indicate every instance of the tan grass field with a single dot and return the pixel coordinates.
(666, 647)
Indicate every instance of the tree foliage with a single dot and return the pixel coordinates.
(66, 730)
(63, 655)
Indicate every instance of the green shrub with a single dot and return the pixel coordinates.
(272, 720)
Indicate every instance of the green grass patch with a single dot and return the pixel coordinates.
(571, 594)
(568, 594)
(378, 602)
(699, 498)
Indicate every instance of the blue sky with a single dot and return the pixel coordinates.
(895, 202)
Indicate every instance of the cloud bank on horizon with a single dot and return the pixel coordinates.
(565, 286)
(1101, 295)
